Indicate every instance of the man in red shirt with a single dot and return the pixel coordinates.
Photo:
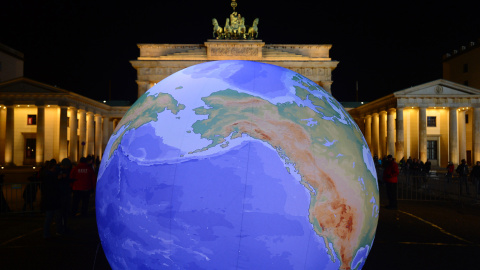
(390, 177)
(84, 182)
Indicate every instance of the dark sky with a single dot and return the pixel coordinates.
(85, 46)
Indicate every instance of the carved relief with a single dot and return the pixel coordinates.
(233, 51)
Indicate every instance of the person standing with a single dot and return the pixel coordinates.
(390, 177)
(476, 176)
(50, 198)
(65, 193)
(450, 169)
(462, 171)
(83, 177)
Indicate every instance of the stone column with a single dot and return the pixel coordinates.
(40, 139)
(143, 87)
(462, 136)
(107, 128)
(115, 123)
(82, 126)
(383, 134)
(375, 134)
(390, 133)
(9, 138)
(422, 133)
(3, 128)
(90, 146)
(476, 134)
(73, 155)
(98, 135)
(62, 148)
(452, 136)
(399, 145)
(368, 131)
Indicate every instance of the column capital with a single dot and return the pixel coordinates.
(391, 110)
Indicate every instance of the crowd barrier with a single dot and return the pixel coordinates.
(20, 197)
(435, 186)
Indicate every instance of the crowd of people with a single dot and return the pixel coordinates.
(388, 171)
(63, 187)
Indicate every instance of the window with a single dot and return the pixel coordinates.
(466, 118)
(465, 68)
(431, 121)
(432, 150)
(465, 83)
(31, 119)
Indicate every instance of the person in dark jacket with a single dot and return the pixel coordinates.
(390, 177)
(462, 171)
(476, 176)
(84, 181)
(65, 192)
(50, 198)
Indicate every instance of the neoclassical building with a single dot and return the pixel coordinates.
(439, 121)
(39, 122)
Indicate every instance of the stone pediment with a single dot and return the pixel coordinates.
(438, 88)
(26, 86)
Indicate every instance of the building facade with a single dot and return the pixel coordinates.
(463, 65)
(39, 122)
(11, 63)
(158, 61)
(438, 121)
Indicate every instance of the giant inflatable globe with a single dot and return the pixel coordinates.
(237, 165)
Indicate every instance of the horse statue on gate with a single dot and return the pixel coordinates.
(217, 30)
(242, 29)
(253, 30)
(227, 30)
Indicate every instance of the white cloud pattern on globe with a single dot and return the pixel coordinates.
(237, 165)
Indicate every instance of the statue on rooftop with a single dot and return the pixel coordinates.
(217, 30)
(235, 27)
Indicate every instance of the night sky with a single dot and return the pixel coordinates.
(85, 46)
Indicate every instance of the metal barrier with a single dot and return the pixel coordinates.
(435, 186)
(20, 197)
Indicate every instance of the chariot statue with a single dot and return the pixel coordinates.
(235, 27)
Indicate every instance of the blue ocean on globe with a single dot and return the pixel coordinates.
(237, 165)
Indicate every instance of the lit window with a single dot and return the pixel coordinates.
(31, 119)
(431, 121)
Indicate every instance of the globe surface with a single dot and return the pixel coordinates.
(237, 165)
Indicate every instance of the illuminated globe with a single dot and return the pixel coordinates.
(237, 165)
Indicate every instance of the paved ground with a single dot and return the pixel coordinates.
(420, 235)
(427, 235)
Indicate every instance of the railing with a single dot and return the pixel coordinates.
(436, 186)
(20, 197)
